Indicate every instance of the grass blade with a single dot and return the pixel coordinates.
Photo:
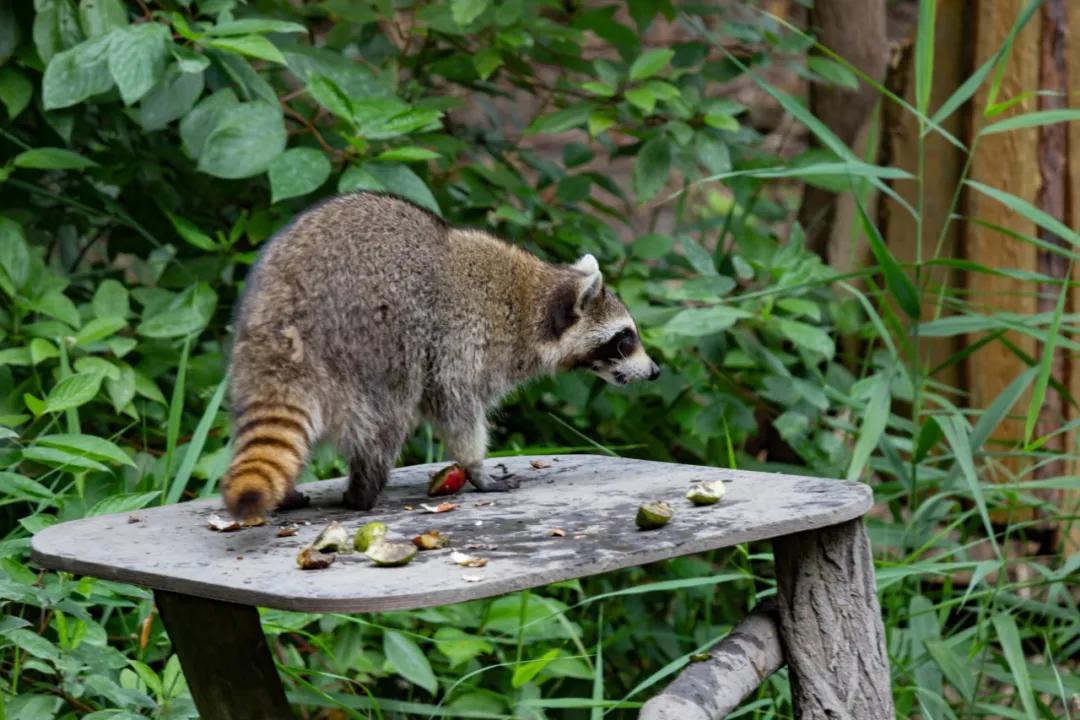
(598, 671)
(1046, 364)
(1028, 211)
(924, 54)
(195, 447)
(874, 422)
(956, 432)
(1033, 119)
(1009, 639)
(896, 280)
(176, 412)
(969, 86)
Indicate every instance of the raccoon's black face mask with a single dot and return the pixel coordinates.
(594, 330)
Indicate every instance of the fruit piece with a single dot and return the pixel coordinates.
(311, 559)
(440, 508)
(220, 524)
(706, 493)
(388, 554)
(370, 534)
(289, 531)
(431, 540)
(470, 561)
(653, 515)
(333, 538)
(447, 481)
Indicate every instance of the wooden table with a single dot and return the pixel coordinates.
(208, 584)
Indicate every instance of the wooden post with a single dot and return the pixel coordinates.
(711, 689)
(1010, 162)
(225, 658)
(830, 625)
(1071, 503)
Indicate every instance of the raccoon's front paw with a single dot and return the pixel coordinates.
(491, 483)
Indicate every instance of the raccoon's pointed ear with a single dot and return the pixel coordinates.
(588, 288)
(569, 299)
(590, 285)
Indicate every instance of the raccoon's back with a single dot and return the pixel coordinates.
(360, 270)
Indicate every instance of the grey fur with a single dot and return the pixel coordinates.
(371, 313)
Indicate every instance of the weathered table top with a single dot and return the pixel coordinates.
(594, 499)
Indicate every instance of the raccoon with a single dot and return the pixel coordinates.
(368, 314)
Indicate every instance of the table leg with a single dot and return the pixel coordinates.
(225, 658)
(830, 625)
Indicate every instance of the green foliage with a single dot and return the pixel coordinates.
(149, 155)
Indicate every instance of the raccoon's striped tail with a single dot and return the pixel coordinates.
(271, 442)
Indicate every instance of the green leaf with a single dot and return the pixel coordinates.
(810, 337)
(1028, 211)
(137, 56)
(95, 448)
(72, 392)
(1009, 638)
(897, 281)
(42, 350)
(121, 391)
(255, 46)
(14, 254)
(458, 646)
(924, 54)
(100, 17)
(9, 30)
(170, 99)
(62, 459)
(296, 172)
(652, 246)
(875, 419)
(57, 305)
(123, 503)
(245, 140)
(1033, 119)
(698, 322)
(12, 485)
(832, 71)
(191, 234)
(651, 167)
(408, 153)
(409, 660)
(1046, 362)
(525, 672)
(203, 118)
(98, 329)
(465, 11)
(95, 364)
(401, 180)
(111, 300)
(195, 447)
(699, 258)
(955, 428)
(956, 668)
(34, 644)
(247, 26)
(15, 91)
(642, 98)
(649, 63)
(76, 74)
(48, 158)
(562, 120)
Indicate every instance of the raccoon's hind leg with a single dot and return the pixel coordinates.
(370, 463)
(466, 438)
(271, 441)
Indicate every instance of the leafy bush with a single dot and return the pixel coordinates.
(151, 153)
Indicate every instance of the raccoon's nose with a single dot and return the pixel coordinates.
(654, 372)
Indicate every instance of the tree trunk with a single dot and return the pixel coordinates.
(855, 30)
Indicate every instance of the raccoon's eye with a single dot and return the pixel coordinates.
(626, 343)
